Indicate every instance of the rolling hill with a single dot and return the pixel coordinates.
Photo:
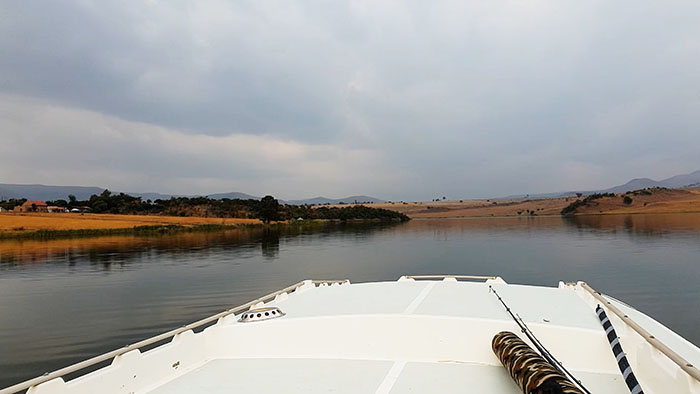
(674, 182)
(48, 192)
(333, 201)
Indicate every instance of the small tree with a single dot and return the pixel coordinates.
(269, 209)
(627, 200)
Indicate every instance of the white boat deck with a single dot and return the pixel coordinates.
(390, 337)
(355, 377)
(400, 337)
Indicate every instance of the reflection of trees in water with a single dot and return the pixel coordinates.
(121, 250)
(652, 225)
(270, 243)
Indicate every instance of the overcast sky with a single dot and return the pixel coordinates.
(396, 99)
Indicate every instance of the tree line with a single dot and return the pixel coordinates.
(571, 208)
(10, 204)
(266, 209)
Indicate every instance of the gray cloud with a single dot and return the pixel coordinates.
(65, 143)
(467, 99)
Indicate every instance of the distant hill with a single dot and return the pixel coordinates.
(333, 201)
(46, 192)
(217, 196)
(674, 182)
(682, 180)
(153, 196)
(233, 196)
(49, 192)
(634, 184)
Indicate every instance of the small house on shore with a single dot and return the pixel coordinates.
(32, 206)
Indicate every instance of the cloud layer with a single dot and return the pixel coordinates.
(99, 149)
(404, 100)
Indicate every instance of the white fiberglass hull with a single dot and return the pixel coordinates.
(406, 336)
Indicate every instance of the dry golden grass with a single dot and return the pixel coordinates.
(20, 222)
(478, 208)
(661, 201)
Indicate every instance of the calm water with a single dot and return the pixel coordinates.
(64, 301)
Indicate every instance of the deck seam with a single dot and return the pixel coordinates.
(419, 299)
(391, 377)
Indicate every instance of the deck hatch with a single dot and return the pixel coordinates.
(259, 314)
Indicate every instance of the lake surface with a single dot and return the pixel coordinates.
(67, 300)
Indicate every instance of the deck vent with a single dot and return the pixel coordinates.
(259, 314)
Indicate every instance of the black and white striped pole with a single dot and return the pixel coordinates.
(620, 356)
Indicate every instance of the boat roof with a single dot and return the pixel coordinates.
(402, 336)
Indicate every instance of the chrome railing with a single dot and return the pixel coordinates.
(110, 355)
(684, 364)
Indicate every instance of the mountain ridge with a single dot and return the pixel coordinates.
(675, 182)
(46, 192)
(334, 201)
(53, 192)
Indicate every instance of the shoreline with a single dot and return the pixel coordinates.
(146, 231)
(63, 225)
(46, 226)
(554, 216)
(43, 226)
(138, 230)
(648, 201)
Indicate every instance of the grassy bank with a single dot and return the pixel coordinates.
(12, 222)
(138, 230)
(62, 225)
(47, 226)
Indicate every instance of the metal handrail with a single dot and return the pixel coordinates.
(429, 277)
(684, 364)
(114, 353)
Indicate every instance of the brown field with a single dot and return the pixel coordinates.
(478, 208)
(661, 201)
(11, 222)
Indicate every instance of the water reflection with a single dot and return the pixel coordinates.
(65, 300)
(121, 250)
(656, 225)
(270, 243)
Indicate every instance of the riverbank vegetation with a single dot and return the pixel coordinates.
(137, 230)
(266, 209)
(587, 201)
(52, 225)
(121, 214)
(10, 204)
